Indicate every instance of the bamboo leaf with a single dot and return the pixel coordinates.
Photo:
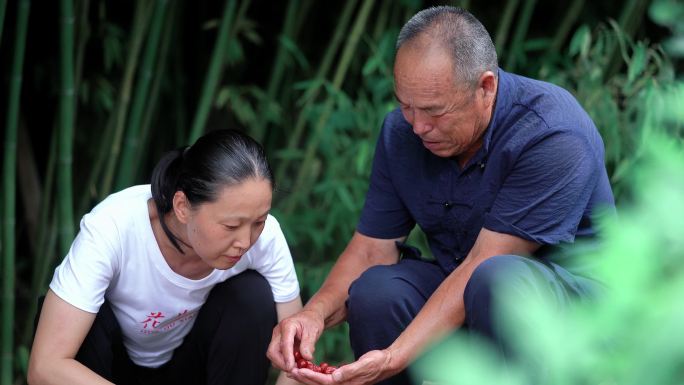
(234, 52)
(580, 42)
(222, 97)
(346, 198)
(292, 48)
(637, 62)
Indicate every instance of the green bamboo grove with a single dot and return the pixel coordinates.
(96, 90)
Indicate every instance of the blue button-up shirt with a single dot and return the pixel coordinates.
(539, 175)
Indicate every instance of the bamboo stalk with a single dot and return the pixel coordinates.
(9, 201)
(505, 25)
(565, 26)
(140, 98)
(82, 33)
(90, 188)
(142, 14)
(180, 129)
(311, 94)
(66, 127)
(300, 187)
(159, 72)
(211, 81)
(3, 6)
(381, 20)
(519, 36)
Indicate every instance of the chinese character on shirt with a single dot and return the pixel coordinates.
(152, 317)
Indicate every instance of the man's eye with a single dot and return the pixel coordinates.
(435, 113)
(231, 228)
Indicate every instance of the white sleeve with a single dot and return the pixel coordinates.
(85, 273)
(272, 259)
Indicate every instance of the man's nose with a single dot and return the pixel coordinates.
(422, 122)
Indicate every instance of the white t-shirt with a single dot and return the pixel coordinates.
(115, 256)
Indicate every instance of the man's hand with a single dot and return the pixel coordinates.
(297, 332)
(370, 368)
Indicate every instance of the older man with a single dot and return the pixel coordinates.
(495, 168)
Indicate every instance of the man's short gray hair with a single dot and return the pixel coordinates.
(459, 32)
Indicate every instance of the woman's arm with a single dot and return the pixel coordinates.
(285, 310)
(60, 333)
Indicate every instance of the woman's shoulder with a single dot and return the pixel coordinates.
(272, 228)
(121, 209)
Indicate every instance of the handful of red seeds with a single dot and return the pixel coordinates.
(306, 364)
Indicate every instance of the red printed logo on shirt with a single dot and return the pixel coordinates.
(155, 323)
(153, 319)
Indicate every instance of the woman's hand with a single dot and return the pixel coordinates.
(370, 368)
(297, 332)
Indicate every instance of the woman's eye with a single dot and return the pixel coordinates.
(231, 228)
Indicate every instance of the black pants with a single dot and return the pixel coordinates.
(227, 343)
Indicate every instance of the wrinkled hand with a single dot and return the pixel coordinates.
(297, 332)
(370, 368)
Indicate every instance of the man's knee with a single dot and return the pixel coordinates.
(491, 277)
(378, 294)
(494, 272)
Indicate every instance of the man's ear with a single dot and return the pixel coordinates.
(181, 207)
(488, 84)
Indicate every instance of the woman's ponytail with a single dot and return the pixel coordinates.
(164, 182)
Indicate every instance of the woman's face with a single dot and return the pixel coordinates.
(220, 232)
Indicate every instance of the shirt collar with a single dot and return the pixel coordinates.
(502, 104)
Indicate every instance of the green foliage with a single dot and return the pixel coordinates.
(615, 102)
(628, 334)
(669, 13)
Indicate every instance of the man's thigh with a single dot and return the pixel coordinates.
(386, 298)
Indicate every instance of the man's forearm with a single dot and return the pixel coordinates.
(329, 301)
(361, 253)
(443, 312)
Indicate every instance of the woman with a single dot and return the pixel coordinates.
(180, 281)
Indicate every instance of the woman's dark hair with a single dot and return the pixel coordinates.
(219, 159)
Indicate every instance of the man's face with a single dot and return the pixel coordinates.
(449, 118)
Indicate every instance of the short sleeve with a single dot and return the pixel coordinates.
(384, 215)
(85, 273)
(273, 260)
(544, 197)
